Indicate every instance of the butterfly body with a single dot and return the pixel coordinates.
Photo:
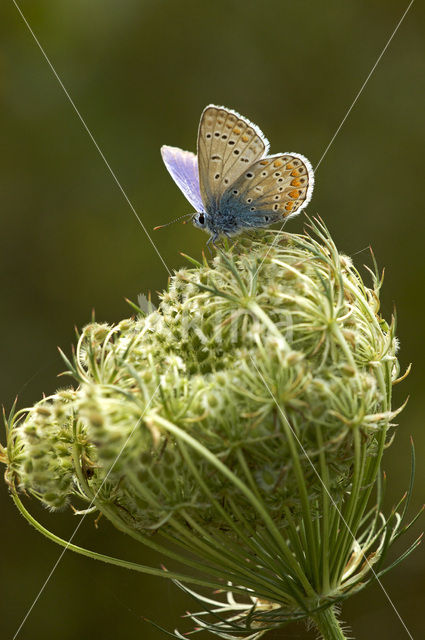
(232, 183)
(225, 218)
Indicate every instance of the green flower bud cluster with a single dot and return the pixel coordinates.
(40, 453)
(252, 406)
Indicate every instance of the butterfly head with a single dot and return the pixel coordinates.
(200, 220)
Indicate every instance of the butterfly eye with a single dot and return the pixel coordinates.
(201, 218)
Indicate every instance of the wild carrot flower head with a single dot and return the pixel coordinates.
(242, 422)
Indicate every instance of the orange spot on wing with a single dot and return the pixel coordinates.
(294, 194)
(245, 138)
(289, 206)
(277, 163)
(289, 166)
(295, 173)
(237, 131)
(265, 162)
(295, 183)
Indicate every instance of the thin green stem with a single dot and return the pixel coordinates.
(256, 310)
(325, 511)
(343, 343)
(125, 564)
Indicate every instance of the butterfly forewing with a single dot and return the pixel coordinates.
(271, 189)
(227, 145)
(183, 167)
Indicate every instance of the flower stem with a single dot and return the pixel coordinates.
(328, 625)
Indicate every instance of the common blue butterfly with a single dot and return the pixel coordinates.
(232, 183)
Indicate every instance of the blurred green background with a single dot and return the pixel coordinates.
(141, 71)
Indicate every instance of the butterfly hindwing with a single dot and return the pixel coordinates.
(271, 189)
(227, 145)
(183, 167)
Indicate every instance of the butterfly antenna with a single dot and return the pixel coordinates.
(161, 226)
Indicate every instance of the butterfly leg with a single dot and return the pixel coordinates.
(212, 241)
(209, 242)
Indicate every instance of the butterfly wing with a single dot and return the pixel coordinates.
(272, 189)
(183, 167)
(227, 144)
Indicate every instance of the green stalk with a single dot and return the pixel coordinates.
(179, 433)
(307, 519)
(373, 467)
(328, 625)
(311, 546)
(347, 534)
(325, 530)
(248, 537)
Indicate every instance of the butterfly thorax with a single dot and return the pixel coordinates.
(222, 220)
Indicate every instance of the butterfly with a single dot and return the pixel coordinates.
(232, 183)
